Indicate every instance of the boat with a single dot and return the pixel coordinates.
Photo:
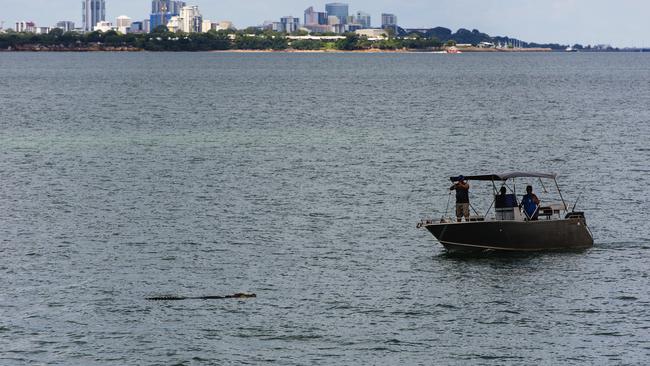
(513, 228)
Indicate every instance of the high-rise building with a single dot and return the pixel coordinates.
(313, 17)
(191, 19)
(169, 6)
(363, 19)
(339, 10)
(310, 16)
(65, 25)
(163, 10)
(289, 24)
(29, 27)
(137, 27)
(93, 12)
(389, 21)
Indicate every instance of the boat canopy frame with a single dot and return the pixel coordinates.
(503, 177)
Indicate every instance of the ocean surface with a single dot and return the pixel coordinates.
(301, 177)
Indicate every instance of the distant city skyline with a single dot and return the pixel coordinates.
(622, 23)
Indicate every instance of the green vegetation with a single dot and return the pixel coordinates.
(263, 42)
(307, 45)
(161, 39)
(349, 43)
(253, 38)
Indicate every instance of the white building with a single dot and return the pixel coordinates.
(372, 34)
(207, 26)
(29, 27)
(191, 19)
(123, 24)
(289, 24)
(104, 26)
(225, 25)
(65, 25)
(174, 24)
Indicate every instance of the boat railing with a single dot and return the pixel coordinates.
(550, 211)
(505, 205)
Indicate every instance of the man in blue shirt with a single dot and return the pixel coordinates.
(530, 202)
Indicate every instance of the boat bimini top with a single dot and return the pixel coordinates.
(506, 176)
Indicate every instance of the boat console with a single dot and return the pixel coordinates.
(506, 207)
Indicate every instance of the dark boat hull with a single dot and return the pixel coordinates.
(525, 236)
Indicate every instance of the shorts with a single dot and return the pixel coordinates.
(462, 209)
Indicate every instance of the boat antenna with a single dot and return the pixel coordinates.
(575, 204)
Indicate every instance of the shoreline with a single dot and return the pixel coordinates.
(376, 50)
(372, 50)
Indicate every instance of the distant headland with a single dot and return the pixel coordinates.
(437, 39)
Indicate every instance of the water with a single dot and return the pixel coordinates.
(300, 177)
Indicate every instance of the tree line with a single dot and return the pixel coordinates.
(161, 39)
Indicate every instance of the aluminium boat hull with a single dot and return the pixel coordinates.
(524, 236)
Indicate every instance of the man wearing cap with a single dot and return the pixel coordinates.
(462, 198)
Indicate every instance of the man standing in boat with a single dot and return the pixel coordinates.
(462, 198)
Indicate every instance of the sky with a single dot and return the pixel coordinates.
(620, 23)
